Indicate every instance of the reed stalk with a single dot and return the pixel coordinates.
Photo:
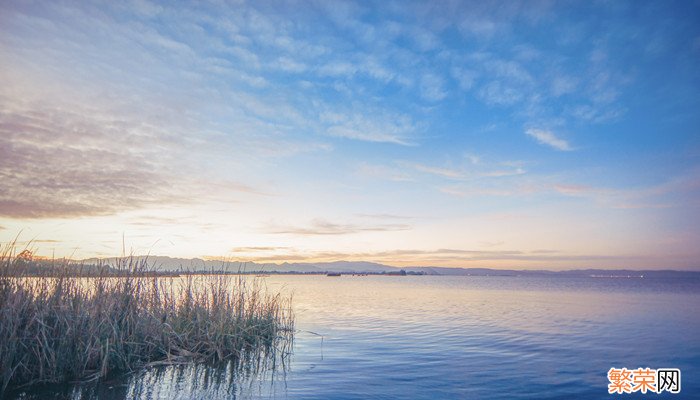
(56, 327)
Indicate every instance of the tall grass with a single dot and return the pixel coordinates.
(64, 328)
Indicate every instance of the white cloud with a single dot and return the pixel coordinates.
(362, 125)
(563, 84)
(321, 226)
(432, 87)
(464, 77)
(499, 93)
(462, 191)
(548, 138)
(425, 40)
(509, 70)
(338, 69)
(596, 114)
(383, 172)
(480, 27)
(509, 172)
(289, 65)
(367, 135)
(376, 70)
(473, 158)
(443, 172)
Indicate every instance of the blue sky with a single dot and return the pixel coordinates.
(492, 134)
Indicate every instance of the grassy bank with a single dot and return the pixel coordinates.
(61, 328)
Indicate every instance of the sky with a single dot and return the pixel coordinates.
(534, 134)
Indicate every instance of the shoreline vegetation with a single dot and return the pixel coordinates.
(31, 266)
(58, 326)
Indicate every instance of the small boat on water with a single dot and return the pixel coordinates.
(333, 274)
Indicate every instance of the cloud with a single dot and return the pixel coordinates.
(367, 135)
(479, 26)
(597, 114)
(492, 244)
(576, 190)
(338, 69)
(473, 158)
(465, 191)
(477, 175)
(562, 84)
(464, 77)
(446, 256)
(499, 173)
(510, 70)
(443, 172)
(424, 40)
(385, 216)
(500, 93)
(254, 249)
(383, 172)
(290, 65)
(432, 87)
(324, 227)
(56, 163)
(369, 127)
(192, 222)
(499, 183)
(60, 158)
(680, 192)
(476, 171)
(359, 66)
(548, 138)
(152, 220)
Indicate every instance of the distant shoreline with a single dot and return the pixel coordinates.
(76, 271)
(28, 265)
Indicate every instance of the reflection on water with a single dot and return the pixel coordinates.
(230, 380)
(452, 337)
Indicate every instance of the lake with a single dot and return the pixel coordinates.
(445, 337)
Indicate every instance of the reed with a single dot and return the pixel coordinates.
(57, 327)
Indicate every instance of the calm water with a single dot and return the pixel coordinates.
(451, 338)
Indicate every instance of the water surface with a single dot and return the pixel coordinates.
(439, 337)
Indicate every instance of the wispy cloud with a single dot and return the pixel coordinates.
(383, 172)
(443, 172)
(385, 216)
(475, 170)
(676, 192)
(448, 257)
(597, 114)
(465, 77)
(368, 134)
(476, 191)
(49, 169)
(255, 249)
(500, 93)
(395, 129)
(504, 172)
(432, 87)
(324, 227)
(549, 138)
(563, 84)
(62, 158)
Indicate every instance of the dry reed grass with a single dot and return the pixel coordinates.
(62, 328)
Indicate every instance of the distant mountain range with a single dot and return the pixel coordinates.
(169, 264)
